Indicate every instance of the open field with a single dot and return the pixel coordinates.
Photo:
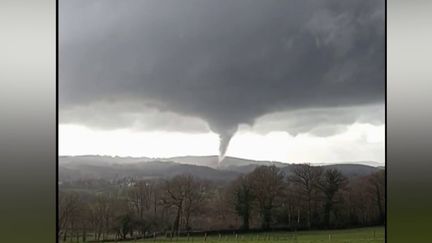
(374, 234)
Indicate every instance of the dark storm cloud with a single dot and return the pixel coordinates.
(227, 62)
(319, 121)
(118, 115)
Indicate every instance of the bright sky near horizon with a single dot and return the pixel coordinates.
(360, 142)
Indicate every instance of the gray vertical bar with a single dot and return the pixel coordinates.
(27, 120)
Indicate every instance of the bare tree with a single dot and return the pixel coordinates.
(376, 183)
(307, 178)
(267, 185)
(243, 197)
(290, 209)
(83, 222)
(140, 198)
(69, 205)
(195, 192)
(183, 193)
(359, 202)
(332, 182)
(102, 214)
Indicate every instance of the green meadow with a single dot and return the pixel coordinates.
(360, 235)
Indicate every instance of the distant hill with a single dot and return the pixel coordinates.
(206, 167)
(141, 170)
(212, 161)
(351, 170)
(100, 160)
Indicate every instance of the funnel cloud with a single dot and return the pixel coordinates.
(226, 63)
(225, 136)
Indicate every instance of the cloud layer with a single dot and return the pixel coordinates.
(225, 62)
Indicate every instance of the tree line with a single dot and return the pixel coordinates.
(309, 197)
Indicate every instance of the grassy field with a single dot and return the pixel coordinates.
(375, 234)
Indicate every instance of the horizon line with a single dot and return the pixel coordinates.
(233, 157)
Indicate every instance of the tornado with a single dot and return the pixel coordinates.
(225, 135)
(224, 140)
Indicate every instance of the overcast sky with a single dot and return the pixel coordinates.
(295, 81)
